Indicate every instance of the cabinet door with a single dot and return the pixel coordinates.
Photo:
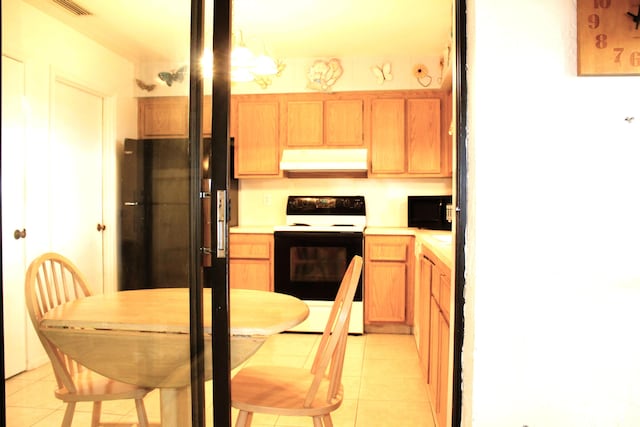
(385, 292)
(257, 149)
(343, 122)
(249, 274)
(304, 123)
(387, 281)
(163, 117)
(387, 136)
(423, 136)
(207, 114)
(443, 373)
(434, 353)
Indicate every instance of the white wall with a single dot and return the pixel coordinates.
(50, 49)
(357, 75)
(263, 202)
(553, 260)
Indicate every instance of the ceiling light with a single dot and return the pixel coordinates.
(245, 65)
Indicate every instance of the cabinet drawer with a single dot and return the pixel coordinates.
(387, 249)
(250, 246)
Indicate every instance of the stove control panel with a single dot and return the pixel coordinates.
(326, 205)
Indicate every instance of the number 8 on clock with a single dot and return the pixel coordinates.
(608, 37)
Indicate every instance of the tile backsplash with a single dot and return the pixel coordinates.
(263, 202)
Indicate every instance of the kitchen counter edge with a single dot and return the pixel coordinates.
(252, 229)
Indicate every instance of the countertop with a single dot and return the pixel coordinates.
(252, 229)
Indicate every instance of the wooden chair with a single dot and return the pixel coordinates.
(297, 391)
(53, 280)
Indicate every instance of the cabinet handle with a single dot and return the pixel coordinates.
(101, 227)
(18, 234)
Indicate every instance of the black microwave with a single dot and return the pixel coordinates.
(430, 212)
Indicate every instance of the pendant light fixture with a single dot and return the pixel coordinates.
(245, 65)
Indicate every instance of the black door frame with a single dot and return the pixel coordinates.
(460, 9)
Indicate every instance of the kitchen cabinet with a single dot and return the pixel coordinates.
(406, 135)
(432, 330)
(168, 117)
(407, 132)
(163, 117)
(319, 120)
(257, 149)
(251, 261)
(388, 286)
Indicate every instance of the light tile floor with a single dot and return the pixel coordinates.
(384, 387)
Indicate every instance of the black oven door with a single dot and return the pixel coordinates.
(310, 265)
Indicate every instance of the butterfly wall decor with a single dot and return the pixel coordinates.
(169, 77)
(382, 73)
(142, 85)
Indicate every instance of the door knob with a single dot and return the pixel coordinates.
(101, 227)
(20, 234)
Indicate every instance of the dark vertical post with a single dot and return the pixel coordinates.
(196, 328)
(461, 205)
(220, 146)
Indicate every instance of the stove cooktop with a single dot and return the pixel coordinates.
(325, 213)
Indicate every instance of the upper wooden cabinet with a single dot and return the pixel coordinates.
(407, 132)
(406, 135)
(316, 120)
(388, 151)
(168, 117)
(257, 152)
(163, 117)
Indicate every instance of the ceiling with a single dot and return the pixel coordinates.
(158, 30)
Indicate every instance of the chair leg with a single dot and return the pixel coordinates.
(68, 414)
(244, 419)
(95, 413)
(328, 422)
(317, 421)
(143, 421)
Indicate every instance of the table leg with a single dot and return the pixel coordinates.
(175, 407)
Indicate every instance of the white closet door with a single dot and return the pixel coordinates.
(13, 216)
(76, 179)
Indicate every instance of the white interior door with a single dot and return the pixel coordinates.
(13, 216)
(76, 179)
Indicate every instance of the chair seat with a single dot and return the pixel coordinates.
(280, 390)
(91, 386)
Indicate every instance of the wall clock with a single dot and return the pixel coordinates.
(608, 37)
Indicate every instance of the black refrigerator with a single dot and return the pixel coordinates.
(154, 212)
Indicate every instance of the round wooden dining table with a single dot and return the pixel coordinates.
(142, 336)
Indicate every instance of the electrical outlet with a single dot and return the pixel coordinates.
(266, 200)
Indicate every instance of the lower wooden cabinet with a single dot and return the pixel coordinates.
(433, 331)
(251, 261)
(388, 284)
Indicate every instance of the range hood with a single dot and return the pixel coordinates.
(348, 162)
